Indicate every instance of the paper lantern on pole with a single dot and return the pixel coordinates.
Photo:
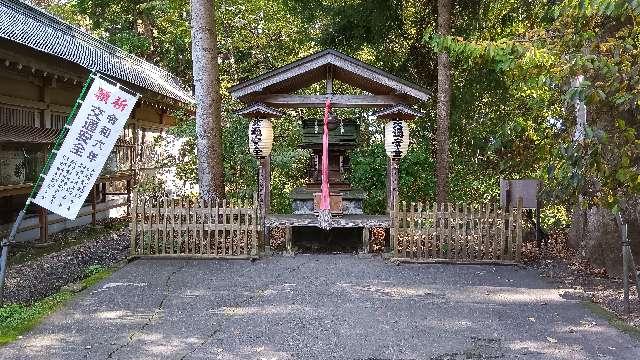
(396, 139)
(260, 128)
(396, 131)
(260, 137)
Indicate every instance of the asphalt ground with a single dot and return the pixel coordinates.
(322, 307)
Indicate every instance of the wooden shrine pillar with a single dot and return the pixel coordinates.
(392, 186)
(264, 194)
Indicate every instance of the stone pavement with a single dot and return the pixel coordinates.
(322, 307)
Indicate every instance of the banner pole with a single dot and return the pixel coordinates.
(4, 255)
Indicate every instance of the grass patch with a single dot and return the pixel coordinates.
(17, 319)
(613, 319)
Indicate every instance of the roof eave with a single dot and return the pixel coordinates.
(253, 86)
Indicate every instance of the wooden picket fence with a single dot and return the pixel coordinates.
(193, 227)
(457, 233)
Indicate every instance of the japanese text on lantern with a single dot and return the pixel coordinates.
(398, 138)
(255, 138)
(90, 139)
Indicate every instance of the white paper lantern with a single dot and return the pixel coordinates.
(396, 138)
(260, 137)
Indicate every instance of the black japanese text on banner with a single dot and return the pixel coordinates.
(85, 149)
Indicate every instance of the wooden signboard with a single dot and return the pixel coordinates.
(511, 190)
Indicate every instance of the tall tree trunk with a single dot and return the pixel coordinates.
(443, 106)
(206, 78)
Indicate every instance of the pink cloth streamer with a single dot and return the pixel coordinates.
(325, 203)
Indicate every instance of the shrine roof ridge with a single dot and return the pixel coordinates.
(308, 70)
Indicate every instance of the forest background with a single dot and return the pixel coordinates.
(513, 107)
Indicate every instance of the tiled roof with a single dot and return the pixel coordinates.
(37, 29)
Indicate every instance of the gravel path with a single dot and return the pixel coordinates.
(44, 276)
(322, 307)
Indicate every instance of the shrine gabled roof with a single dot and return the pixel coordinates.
(259, 110)
(399, 111)
(314, 68)
(35, 28)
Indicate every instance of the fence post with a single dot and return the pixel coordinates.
(172, 215)
(519, 230)
(134, 230)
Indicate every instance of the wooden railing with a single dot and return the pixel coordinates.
(184, 226)
(457, 232)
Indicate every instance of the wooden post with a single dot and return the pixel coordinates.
(289, 240)
(43, 221)
(264, 197)
(518, 219)
(365, 240)
(93, 204)
(104, 192)
(538, 225)
(134, 223)
(254, 226)
(128, 197)
(392, 199)
(628, 264)
(393, 231)
(329, 82)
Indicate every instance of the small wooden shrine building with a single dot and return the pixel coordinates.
(266, 94)
(43, 65)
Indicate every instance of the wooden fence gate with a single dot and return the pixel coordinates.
(457, 233)
(184, 226)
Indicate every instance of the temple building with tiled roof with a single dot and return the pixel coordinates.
(44, 62)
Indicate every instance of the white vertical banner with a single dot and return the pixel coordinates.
(85, 149)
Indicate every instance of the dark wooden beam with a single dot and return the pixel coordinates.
(337, 101)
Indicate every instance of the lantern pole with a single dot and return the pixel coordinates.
(260, 144)
(395, 115)
(264, 196)
(392, 169)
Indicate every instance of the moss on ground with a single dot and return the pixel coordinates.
(613, 319)
(17, 319)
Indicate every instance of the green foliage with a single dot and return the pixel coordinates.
(150, 185)
(554, 217)
(16, 319)
(93, 270)
(369, 172)
(512, 111)
(595, 39)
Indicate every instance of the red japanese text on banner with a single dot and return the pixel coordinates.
(80, 159)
